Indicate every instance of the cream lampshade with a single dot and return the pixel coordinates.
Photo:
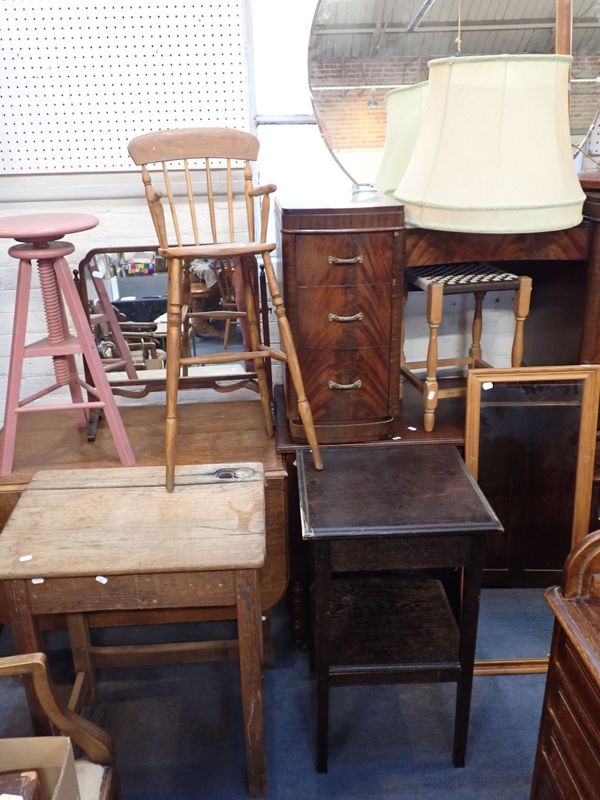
(493, 153)
(403, 107)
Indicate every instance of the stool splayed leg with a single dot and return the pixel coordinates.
(58, 288)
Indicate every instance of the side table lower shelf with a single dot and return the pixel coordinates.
(387, 626)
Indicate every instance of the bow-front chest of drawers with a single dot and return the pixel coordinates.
(342, 277)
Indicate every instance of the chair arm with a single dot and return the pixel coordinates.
(95, 742)
(258, 191)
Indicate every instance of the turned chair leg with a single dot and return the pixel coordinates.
(173, 365)
(246, 264)
(475, 349)
(186, 300)
(521, 310)
(287, 343)
(435, 297)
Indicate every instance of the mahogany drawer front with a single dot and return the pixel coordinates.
(579, 752)
(560, 783)
(347, 384)
(579, 684)
(343, 259)
(344, 316)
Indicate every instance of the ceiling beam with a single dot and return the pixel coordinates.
(443, 27)
(424, 9)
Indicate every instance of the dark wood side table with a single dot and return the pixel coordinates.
(567, 763)
(387, 524)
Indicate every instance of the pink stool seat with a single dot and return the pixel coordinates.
(44, 227)
(39, 231)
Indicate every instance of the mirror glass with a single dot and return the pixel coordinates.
(360, 49)
(135, 284)
(537, 484)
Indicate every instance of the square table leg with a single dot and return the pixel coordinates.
(322, 614)
(469, 615)
(250, 650)
(26, 639)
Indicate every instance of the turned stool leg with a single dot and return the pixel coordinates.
(249, 642)
(435, 297)
(521, 310)
(475, 349)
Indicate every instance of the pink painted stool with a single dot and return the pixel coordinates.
(40, 231)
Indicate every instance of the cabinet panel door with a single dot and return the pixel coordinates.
(343, 259)
(344, 316)
(346, 384)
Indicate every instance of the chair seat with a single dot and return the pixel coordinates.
(91, 778)
(219, 250)
(458, 278)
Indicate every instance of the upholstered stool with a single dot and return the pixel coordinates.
(445, 279)
(40, 232)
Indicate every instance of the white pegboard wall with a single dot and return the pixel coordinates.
(79, 80)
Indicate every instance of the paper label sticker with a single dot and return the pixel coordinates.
(101, 579)
(25, 558)
(411, 428)
(487, 385)
(36, 581)
(431, 395)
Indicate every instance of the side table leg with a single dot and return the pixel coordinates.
(27, 640)
(472, 576)
(249, 642)
(322, 591)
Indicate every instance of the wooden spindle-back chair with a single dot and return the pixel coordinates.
(180, 150)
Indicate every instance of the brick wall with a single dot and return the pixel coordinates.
(347, 120)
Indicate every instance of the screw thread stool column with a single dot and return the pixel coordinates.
(39, 232)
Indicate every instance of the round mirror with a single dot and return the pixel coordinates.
(361, 49)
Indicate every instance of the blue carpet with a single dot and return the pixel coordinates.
(178, 730)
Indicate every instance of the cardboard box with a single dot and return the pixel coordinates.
(51, 756)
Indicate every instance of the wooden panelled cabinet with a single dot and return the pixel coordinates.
(567, 763)
(342, 276)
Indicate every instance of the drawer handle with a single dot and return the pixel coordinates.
(356, 385)
(354, 260)
(354, 318)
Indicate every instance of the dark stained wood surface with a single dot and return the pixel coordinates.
(399, 622)
(391, 490)
(385, 526)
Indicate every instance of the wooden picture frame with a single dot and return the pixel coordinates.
(569, 393)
